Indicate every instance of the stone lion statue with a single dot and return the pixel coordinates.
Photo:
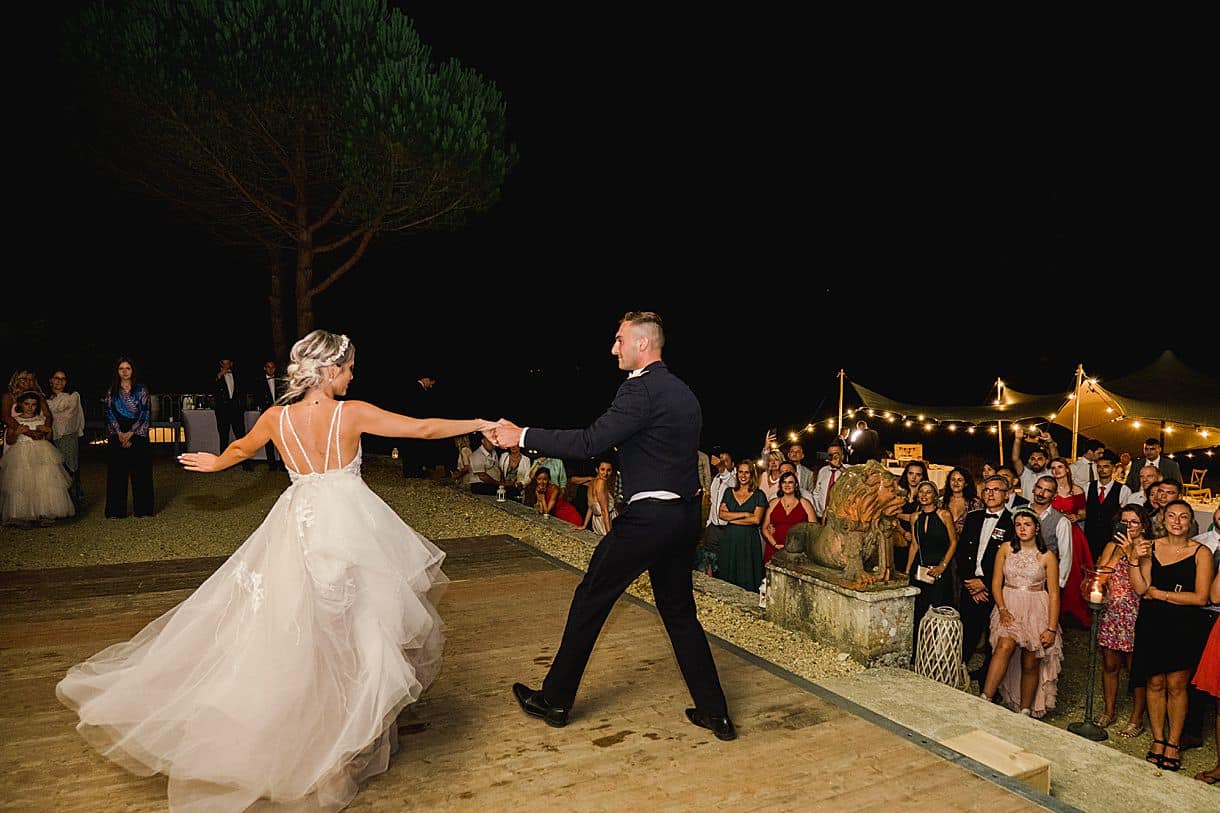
(859, 527)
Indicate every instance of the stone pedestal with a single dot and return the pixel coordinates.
(874, 626)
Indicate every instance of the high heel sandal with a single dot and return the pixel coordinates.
(1171, 763)
(1152, 758)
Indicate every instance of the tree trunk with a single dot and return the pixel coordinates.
(275, 305)
(304, 279)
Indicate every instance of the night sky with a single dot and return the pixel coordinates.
(792, 201)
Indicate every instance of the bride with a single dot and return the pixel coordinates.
(278, 681)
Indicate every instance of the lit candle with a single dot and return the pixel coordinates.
(1095, 596)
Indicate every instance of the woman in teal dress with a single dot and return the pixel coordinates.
(741, 548)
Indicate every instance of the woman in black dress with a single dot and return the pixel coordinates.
(934, 541)
(1173, 580)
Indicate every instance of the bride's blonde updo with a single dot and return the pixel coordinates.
(310, 357)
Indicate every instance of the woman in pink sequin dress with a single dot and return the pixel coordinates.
(1025, 636)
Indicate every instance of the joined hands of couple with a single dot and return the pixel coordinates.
(503, 433)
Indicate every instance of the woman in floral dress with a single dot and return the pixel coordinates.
(1116, 628)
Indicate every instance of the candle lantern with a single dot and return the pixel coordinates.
(1094, 589)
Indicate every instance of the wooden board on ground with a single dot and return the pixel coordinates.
(466, 745)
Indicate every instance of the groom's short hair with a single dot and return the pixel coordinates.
(651, 323)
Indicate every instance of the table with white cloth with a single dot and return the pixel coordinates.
(201, 434)
(1204, 511)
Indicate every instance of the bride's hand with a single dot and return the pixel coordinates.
(198, 461)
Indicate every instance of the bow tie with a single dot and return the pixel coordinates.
(993, 516)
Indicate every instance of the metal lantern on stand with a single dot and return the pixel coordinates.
(1094, 589)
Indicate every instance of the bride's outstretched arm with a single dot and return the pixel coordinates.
(374, 420)
(239, 450)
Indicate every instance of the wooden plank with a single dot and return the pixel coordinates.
(465, 744)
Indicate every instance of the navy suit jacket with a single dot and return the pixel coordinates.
(654, 422)
(1169, 469)
(968, 545)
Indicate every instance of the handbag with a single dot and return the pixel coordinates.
(922, 573)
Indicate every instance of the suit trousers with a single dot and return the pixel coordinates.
(657, 536)
(230, 418)
(976, 623)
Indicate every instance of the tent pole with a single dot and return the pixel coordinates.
(1076, 408)
(839, 425)
(999, 426)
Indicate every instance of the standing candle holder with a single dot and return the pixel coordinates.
(1094, 589)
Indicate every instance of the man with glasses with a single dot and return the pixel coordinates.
(985, 530)
(1169, 469)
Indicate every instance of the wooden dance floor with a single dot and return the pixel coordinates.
(466, 745)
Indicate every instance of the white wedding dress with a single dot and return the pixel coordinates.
(277, 683)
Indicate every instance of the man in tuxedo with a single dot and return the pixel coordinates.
(654, 421)
(264, 398)
(419, 457)
(985, 530)
(229, 404)
(1169, 469)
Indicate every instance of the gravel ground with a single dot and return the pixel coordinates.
(210, 515)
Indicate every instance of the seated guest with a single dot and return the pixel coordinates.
(556, 468)
(602, 510)
(515, 471)
(1174, 581)
(1116, 626)
(462, 472)
(549, 500)
(1025, 619)
(485, 475)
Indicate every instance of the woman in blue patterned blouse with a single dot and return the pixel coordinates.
(128, 456)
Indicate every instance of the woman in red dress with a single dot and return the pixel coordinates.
(1069, 500)
(1207, 676)
(550, 499)
(786, 510)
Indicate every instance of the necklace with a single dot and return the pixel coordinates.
(772, 480)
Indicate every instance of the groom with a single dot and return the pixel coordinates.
(654, 421)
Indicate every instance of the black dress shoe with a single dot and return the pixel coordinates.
(722, 727)
(535, 704)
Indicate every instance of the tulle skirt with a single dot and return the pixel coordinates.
(278, 681)
(33, 482)
(1029, 609)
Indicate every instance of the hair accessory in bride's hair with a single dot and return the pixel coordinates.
(335, 359)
